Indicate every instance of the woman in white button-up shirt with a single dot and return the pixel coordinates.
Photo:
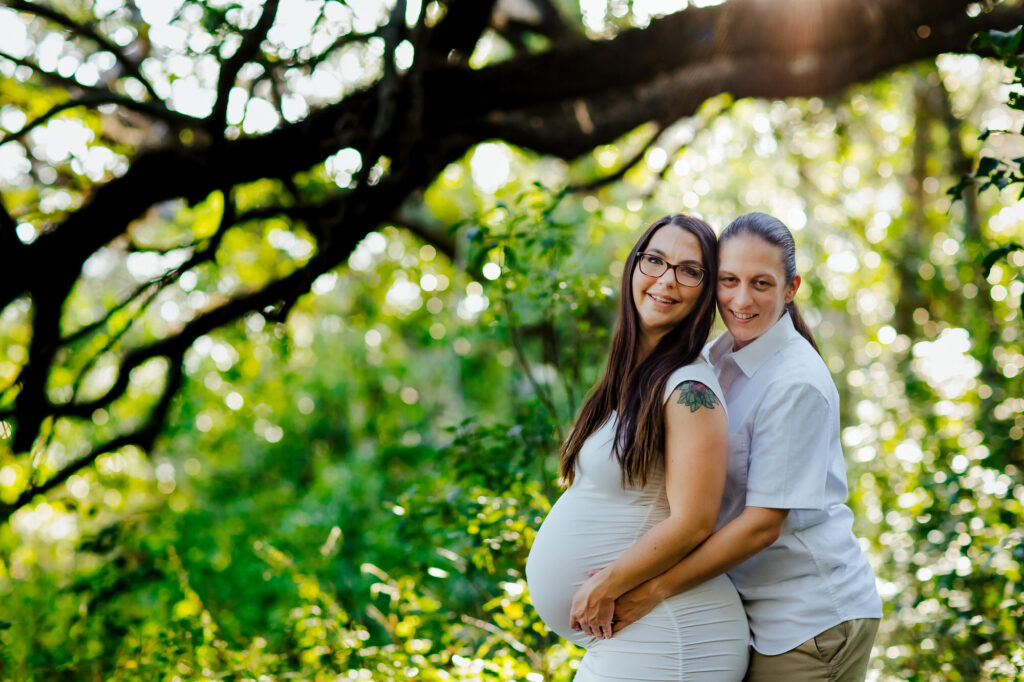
(784, 531)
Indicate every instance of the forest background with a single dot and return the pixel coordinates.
(298, 298)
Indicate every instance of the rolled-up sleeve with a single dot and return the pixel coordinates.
(789, 455)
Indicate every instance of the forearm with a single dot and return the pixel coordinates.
(653, 553)
(734, 543)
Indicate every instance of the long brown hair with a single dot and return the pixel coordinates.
(634, 390)
(774, 232)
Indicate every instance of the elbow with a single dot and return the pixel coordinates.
(701, 528)
(763, 526)
(705, 527)
(768, 535)
(691, 530)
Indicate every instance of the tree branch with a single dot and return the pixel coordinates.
(96, 98)
(455, 37)
(535, 121)
(229, 68)
(33, 406)
(623, 168)
(156, 285)
(270, 296)
(143, 437)
(342, 41)
(49, 76)
(562, 102)
(10, 245)
(546, 22)
(86, 31)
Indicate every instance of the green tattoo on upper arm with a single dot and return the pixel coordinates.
(696, 395)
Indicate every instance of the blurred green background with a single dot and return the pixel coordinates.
(350, 493)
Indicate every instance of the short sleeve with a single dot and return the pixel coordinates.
(698, 370)
(789, 449)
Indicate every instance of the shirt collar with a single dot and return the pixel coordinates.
(750, 358)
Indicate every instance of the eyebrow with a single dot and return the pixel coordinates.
(659, 252)
(763, 275)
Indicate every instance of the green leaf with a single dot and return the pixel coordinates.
(987, 165)
(1004, 44)
(998, 254)
(957, 190)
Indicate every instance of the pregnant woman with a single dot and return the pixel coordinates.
(646, 466)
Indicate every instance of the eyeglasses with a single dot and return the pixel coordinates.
(687, 274)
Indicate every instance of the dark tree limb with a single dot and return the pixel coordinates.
(271, 299)
(387, 92)
(10, 245)
(33, 405)
(562, 102)
(457, 34)
(540, 119)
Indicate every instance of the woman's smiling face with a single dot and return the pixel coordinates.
(752, 288)
(662, 302)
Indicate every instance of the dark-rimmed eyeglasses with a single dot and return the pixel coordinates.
(687, 274)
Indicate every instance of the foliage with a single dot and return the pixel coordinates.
(415, 573)
(993, 171)
(348, 487)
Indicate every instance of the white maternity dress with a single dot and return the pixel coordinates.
(701, 634)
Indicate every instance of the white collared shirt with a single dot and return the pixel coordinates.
(784, 453)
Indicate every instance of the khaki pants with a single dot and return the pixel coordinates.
(840, 654)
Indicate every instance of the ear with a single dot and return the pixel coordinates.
(791, 289)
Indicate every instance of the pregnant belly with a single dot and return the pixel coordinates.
(582, 533)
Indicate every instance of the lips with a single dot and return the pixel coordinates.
(661, 299)
(743, 316)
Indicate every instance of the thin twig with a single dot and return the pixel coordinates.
(524, 364)
(89, 32)
(96, 98)
(143, 437)
(230, 67)
(623, 169)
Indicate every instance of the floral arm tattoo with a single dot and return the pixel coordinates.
(696, 395)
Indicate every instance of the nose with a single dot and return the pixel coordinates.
(668, 278)
(742, 296)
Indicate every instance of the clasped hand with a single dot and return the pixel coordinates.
(592, 608)
(596, 613)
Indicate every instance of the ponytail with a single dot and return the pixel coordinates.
(801, 326)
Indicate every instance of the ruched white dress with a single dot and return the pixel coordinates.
(701, 634)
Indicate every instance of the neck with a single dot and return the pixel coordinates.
(647, 344)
